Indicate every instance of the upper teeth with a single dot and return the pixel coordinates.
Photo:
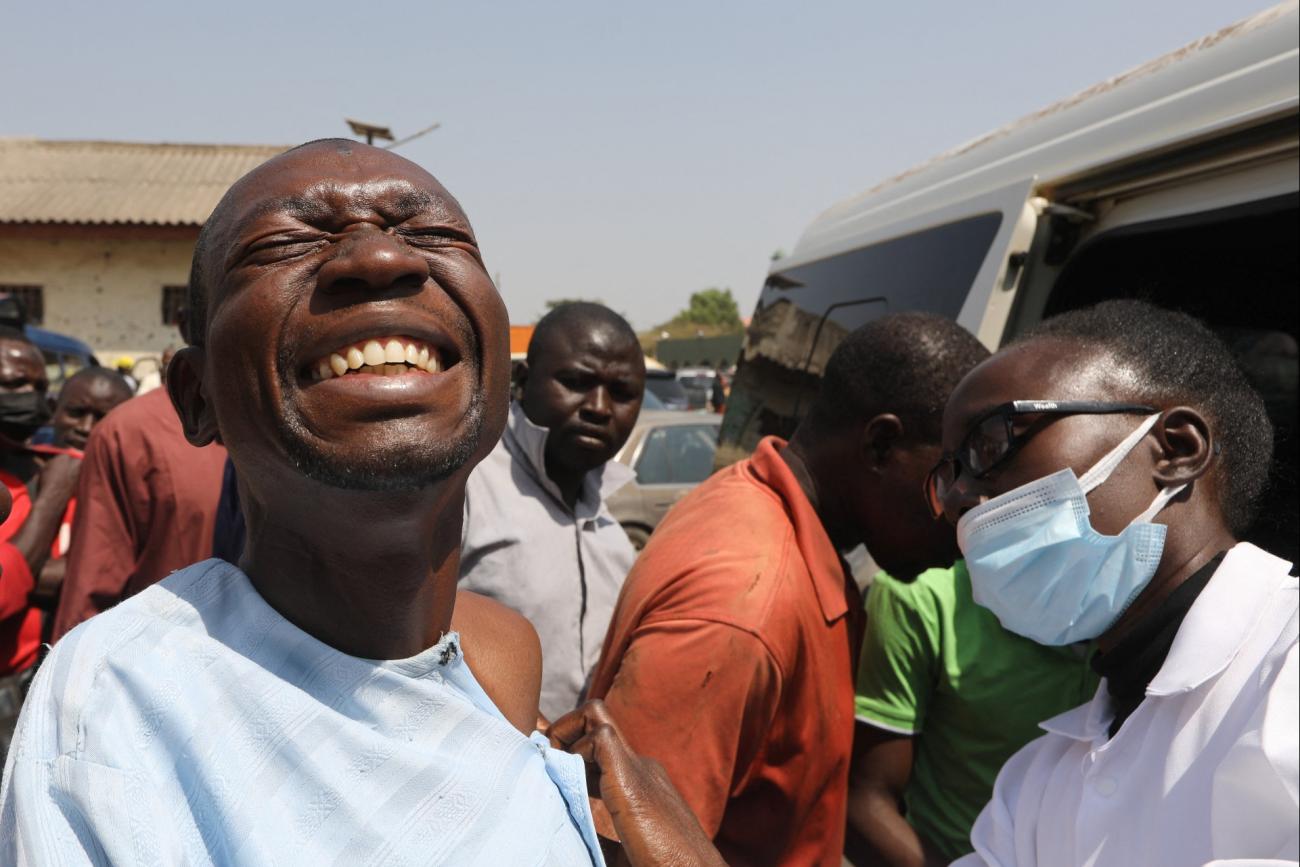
(386, 357)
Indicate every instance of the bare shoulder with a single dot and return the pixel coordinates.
(505, 654)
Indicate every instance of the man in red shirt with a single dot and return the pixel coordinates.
(147, 504)
(40, 484)
(730, 656)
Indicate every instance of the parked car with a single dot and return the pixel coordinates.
(1177, 182)
(64, 355)
(664, 385)
(671, 453)
(698, 384)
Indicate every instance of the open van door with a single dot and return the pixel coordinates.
(961, 261)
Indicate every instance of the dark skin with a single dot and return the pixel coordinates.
(865, 480)
(22, 369)
(585, 384)
(1178, 450)
(319, 248)
(878, 831)
(86, 398)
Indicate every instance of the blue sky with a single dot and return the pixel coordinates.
(628, 152)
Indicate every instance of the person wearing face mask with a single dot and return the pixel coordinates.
(1101, 473)
(41, 482)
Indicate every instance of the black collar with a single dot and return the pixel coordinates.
(1131, 664)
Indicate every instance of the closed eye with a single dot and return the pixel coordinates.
(434, 236)
(278, 248)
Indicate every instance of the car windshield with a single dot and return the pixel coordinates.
(668, 390)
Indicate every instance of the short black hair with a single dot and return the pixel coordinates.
(902, 363)
(573, 314)
(8, 332)
(1176, 359)
(95, 373)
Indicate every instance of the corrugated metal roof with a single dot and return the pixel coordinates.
(119, 182)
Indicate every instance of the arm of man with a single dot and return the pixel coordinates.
(55, 486)
(897, 671)
(697, 696)
(878, 832)
(103, 550)
(654, 825)
(502, 649)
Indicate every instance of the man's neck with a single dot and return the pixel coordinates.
(1189, 545)
(824, 502)
(370, 574)
(568, 483)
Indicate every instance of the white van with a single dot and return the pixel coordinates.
(1177, 182)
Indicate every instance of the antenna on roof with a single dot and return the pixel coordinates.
(374, 131)
(370, 131)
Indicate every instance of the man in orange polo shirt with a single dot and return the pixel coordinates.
(730, 656)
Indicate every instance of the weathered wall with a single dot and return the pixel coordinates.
(103, 285)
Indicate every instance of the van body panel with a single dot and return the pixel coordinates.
(1242, 75)
(1177, 182)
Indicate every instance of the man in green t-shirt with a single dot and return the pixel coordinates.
(945, 696)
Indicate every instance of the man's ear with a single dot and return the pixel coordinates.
(185, 388)
(1187, 444)
(519, 374)
(879, 437)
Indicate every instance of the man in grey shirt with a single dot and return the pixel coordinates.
(538, 536)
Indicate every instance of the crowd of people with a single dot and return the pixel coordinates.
(346, 588)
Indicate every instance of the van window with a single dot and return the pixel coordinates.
(805, 312)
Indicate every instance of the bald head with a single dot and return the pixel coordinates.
(575, 320)
(87, 396)
(314, 176)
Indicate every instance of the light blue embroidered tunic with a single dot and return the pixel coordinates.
(193, 724)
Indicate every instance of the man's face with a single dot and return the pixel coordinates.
(1049, 369)
(23, 384)
(904, 538)
(83, 403)
(585, 385)
(352, 329)
(21, 368)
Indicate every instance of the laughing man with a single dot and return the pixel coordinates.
(316, 704)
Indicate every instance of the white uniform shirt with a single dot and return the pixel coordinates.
(193, 725)
(561, 569)
(1205, 771)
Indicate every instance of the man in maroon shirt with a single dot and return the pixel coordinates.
(146, 505)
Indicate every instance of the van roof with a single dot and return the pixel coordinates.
(1241, 74)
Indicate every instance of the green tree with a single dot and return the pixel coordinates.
(712, 307)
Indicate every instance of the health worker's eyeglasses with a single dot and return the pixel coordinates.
(992, 440)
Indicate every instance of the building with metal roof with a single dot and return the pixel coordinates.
(96, 236)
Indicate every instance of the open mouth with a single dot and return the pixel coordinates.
(381, 356)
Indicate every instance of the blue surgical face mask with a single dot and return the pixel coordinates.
(1036, 562)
